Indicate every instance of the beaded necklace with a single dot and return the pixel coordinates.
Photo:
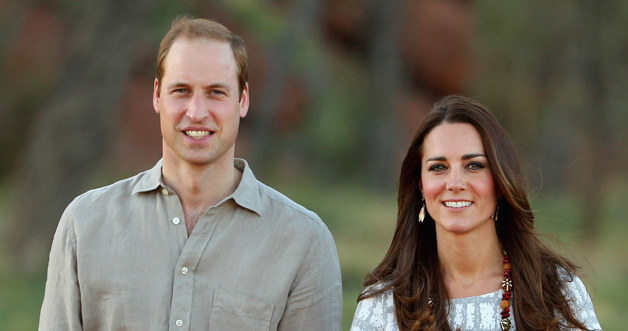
(507, 295)
(504, 323)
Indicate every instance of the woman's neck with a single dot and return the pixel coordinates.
(471, 264)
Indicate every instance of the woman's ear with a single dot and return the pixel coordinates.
(498, 193)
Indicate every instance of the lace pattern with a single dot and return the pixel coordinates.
(479, 313)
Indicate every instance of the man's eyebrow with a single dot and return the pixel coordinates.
(177, 84)
(217, 85)
(211, 86)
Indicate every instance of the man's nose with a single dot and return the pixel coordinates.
(197, 109)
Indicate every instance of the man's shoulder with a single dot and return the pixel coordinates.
(114, 192)
(280, 202)
(284, 208)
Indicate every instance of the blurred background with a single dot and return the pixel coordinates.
(338, 88)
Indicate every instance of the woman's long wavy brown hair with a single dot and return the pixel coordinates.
(411, 269)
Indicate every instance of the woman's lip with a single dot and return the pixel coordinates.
(457, 203)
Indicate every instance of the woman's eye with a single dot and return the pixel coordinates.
(475, 166)
(437, 167)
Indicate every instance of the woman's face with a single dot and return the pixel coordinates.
(456, 179)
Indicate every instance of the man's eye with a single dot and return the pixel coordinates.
(180, 90)
(218, 92)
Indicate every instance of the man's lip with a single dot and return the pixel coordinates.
(194, 128)
(197, 134)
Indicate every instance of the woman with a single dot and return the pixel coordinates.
(465, 254)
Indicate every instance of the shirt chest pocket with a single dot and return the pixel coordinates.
(234, 311)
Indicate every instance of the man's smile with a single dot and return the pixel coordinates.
(197, 134)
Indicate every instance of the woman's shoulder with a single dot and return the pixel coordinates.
(378, 298)
(573, 286)
(576, 292)
(376, 312)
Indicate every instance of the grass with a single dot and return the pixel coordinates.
(21, 300)
(362, 223)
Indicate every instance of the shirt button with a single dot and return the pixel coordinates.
(176, 221)
(184, 270)
(165, 191)
(179, 323)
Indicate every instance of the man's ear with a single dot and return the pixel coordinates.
(244, 101)
(156, 96)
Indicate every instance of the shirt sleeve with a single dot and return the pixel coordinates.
(375, 313)
(362, 319)
(581, 303)
(61, 309)
(315, 301)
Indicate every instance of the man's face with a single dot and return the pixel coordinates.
(198, 102)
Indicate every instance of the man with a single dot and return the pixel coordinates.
(195, 243)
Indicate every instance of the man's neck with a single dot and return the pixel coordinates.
(200, 187)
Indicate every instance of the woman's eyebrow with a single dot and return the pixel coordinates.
(436, 158)
(473, 155)
(464, 157)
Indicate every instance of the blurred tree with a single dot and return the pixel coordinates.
(596, 151)
(338, 87)
(57, 166)
(28, 75)
(552, 73)
(293, 29)
(385, 84)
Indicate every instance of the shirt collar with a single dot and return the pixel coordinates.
(149, 180)
(246, 194)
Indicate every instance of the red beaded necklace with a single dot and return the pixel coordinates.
(505, 323)
(507, 295)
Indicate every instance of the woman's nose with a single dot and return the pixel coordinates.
(455, 181)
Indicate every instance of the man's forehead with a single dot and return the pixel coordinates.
(195, 38)
(203, 49)
(202, 61)
(213, 46)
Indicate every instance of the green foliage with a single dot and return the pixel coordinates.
(265, 20)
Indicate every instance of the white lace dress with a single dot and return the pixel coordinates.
(478, 313)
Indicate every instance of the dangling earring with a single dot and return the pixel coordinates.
(422, 211)
(494, 217)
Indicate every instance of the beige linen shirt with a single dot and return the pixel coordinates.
(121, 259)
